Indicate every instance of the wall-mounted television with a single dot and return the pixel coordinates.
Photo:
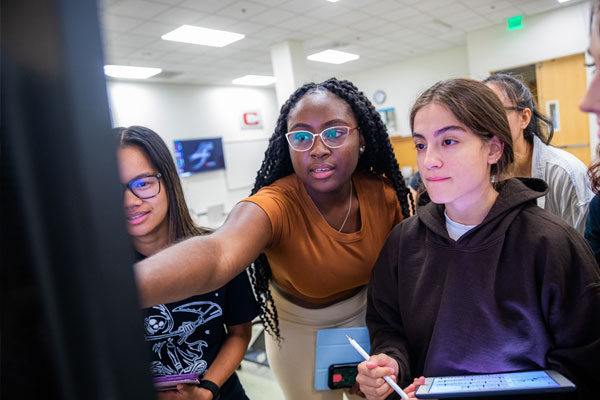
(198, 155)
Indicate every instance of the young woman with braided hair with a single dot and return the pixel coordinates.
(328, 193)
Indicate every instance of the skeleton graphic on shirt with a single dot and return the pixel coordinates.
(177, 354)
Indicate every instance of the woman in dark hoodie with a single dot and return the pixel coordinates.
(481, 280)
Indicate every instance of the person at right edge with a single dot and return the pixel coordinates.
(591, 104)
(481, 280)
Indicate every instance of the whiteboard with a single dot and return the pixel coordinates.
(242, 161)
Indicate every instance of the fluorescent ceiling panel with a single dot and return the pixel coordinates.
(333, 57)
(254, 80)
(129, 72)
(202, 36)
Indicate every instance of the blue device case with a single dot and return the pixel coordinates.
(333, 348)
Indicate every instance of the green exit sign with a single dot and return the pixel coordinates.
(514, 23)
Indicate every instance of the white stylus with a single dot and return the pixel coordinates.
(389, 380)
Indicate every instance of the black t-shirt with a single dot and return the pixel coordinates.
(186, 336)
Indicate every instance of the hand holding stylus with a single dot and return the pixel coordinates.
(383, 367)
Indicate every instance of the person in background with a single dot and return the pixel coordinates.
(569, 192)
(481, 280)
(327, 195)
(206, 334)
(591, 104)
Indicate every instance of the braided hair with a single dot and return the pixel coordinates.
(520, 95)
(378, 159)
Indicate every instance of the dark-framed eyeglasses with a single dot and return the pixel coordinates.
(145, 187)
(333, 137)
(513, 108)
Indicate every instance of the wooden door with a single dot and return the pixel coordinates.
(561, 83)
(406, 154)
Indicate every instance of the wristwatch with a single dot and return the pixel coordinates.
(211, 386)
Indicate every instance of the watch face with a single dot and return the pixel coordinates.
(379, 96)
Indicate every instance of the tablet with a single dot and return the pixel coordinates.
(528, 382)
(170, 382)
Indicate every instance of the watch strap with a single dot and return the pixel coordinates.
(211, 386)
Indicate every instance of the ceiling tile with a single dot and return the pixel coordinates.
(166, 46)
(109, 37)
(271, 3)
(350, 17)
(371, 23)
(318, 28)
(272, 15)
(502, 15)
(327, 12)
(381, 7)
(243, 10)
(206, 6)
(400, 13)
(272, 34)
(464, 16)
(136, 9)
(430, 5)
(302, 6)
(169, 2)
(131, 40)
(380, 31)
(147, 54)
(179, 16)
(155, 29)
(216, 22)
(117, 23)
(359, 4)
(451, 9)
(246, 28)
(118, 51)
(485, 9)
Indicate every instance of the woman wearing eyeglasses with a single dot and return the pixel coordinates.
(187, 336)
(569, 192)
(318, 215)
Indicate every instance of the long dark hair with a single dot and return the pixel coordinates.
(378, 159)
(180, 222)
(520, 96)
(475, 105)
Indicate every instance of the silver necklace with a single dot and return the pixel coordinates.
(347, 214)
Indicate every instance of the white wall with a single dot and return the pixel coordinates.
(558, 33)
(187, 112)
(554, 34)
(404, 81)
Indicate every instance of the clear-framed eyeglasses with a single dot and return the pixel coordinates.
(333, 137)
(145, 187)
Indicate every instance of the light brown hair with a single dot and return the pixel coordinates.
(477, 107)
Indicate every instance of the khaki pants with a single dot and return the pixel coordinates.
(294, 362)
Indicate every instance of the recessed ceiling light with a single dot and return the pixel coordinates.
(562, 1)
(254, 80)
(333, 57)
(333, 1)
(202, 36)
(125, 71)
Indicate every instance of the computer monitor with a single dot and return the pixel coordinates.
(198, 155)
